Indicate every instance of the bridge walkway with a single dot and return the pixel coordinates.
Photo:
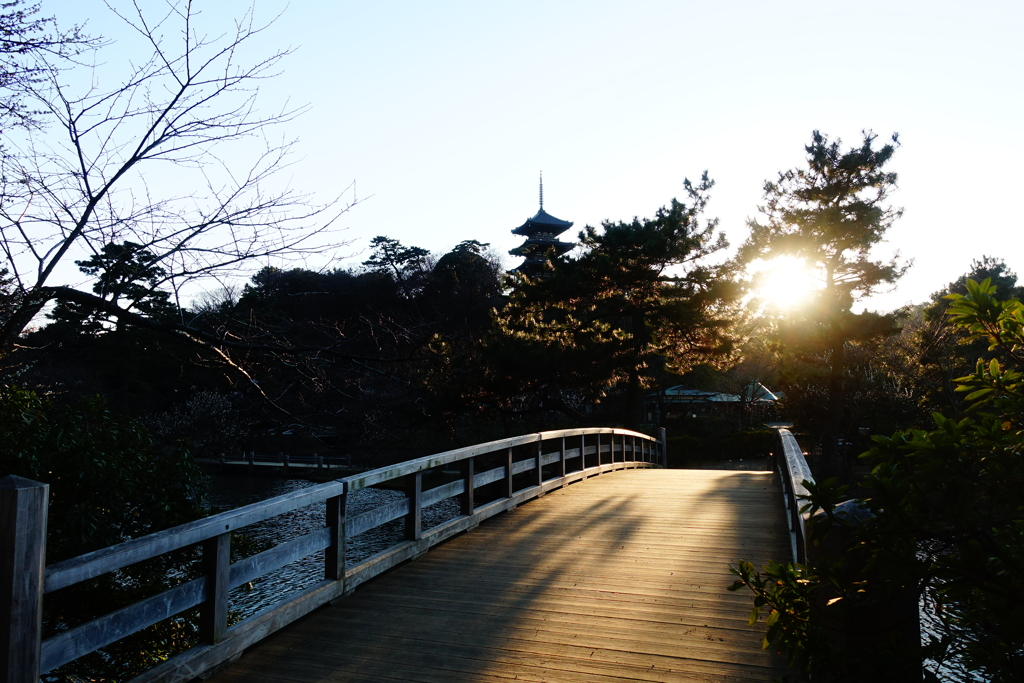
(613, 579)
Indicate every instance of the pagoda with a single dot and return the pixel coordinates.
(542, 241)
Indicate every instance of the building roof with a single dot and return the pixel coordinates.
(539, 245)
(542, 222)
(755, 392)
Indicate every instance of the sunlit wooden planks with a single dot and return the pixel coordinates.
(615, 578)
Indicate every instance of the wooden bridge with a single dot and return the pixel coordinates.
(612, 578)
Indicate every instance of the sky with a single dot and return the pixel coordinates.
(444, 113)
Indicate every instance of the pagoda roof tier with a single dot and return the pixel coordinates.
(542, 222)
(540, 245)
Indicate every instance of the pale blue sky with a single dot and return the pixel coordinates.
(445, 111)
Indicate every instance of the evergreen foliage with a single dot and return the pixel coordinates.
(940, 515)
(127, 276)
(639, 298)
(831, 215)
(108, 484)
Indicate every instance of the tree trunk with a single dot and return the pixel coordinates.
(833, 456)
(634, 401)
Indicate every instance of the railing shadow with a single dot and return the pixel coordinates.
(495, 602)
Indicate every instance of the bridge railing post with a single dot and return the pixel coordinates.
(213, 614)
(414, 520)
(467, 502)
(662, 447)
(23, 507)
(334, 558)
(539, 479)
(508, 473)
(561, 459)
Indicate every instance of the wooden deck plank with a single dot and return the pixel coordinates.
(617, 578)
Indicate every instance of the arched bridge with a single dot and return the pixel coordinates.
(597, 579)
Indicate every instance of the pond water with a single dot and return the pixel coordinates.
(229, 491)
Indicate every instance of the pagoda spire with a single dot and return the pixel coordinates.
(542, 190)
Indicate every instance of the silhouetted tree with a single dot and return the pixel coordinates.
(408, 266)
(830, 215)
(127, 276)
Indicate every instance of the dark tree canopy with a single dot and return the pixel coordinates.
(639, 297)
(127, 276)
(406, 265)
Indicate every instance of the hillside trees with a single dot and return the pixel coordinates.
(367, 351)
(830, 215)
(639, 298)
(89, 180)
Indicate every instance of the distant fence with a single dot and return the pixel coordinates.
(794, 471)
(280, 460)
(522, 468)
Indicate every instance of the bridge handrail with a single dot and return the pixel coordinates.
(599, 450)
(794, 471)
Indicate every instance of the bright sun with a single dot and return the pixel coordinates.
(783, 282)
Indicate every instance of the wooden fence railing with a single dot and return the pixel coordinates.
(527, 466)
(284, 461)
(793, 470)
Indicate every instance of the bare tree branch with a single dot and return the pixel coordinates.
(88, 180)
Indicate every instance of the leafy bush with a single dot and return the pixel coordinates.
(108, 484)
(940, 517)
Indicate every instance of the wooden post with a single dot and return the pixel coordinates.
(508, 474)
(23, 504)
(334, 557)
(583, 450)
(467, 501)
(284, 460)
(319, 461)
(539, 479)
(213, 614)
(662, 447)
(251, 457)
(414, 520)
(561, 459)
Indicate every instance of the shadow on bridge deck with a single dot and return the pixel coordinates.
(616, 578)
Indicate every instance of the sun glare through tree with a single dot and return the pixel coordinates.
(783, 283)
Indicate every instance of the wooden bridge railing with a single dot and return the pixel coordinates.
(528, 466)
(793, 470)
